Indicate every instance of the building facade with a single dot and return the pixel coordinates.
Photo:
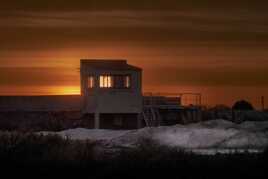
(111, 93)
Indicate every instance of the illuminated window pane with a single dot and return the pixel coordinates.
(106, 81)
(109, 81)
(127, 82)
(106, 84)
(101, 81)
(112, 81)
(91, 82)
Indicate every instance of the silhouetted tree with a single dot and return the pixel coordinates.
(242, 105)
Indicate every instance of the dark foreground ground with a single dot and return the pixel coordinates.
(32, 156)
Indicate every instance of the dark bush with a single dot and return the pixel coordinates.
(43, 121)
(242, 105)
(52, 156)
(33, 148)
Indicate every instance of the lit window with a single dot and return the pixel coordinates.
(91, 82)
(109, 81)
(115, 81)
(101, 81)
(106, 81)
(127, 81)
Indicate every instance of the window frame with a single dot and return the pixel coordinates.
(126, 85)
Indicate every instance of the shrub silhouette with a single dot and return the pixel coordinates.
(55, 156)
(242, 105)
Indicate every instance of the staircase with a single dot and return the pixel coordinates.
(151, 116)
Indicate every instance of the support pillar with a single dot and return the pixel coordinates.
(97, 120)
(139, 121)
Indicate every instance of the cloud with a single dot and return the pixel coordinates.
(58, 29)
(211, 21)
(177, 76)
(130, 4)
(33, 76)
(196, 37)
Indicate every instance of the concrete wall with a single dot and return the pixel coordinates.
(105, 100)
(40, 103)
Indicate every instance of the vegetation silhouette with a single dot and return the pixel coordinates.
(51, 156)
(243, 105)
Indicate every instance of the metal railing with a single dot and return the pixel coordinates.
(185, 99)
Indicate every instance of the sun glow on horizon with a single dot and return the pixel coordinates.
(66, 90)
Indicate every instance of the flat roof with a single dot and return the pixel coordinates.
(108, 64)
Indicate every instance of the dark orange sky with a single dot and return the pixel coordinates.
(214, 47)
